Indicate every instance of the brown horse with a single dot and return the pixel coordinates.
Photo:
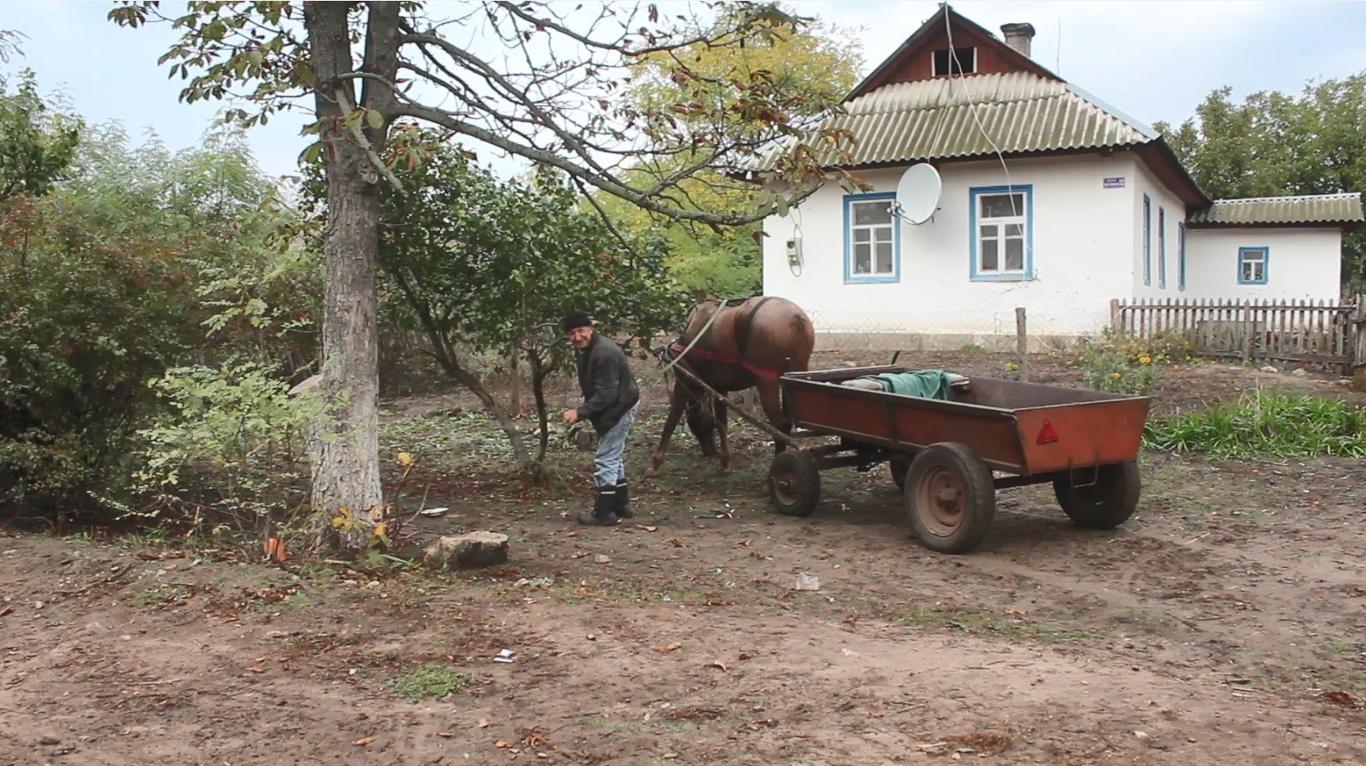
(746, 345)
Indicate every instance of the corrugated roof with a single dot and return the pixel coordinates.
(1305, 208)
(963, 117)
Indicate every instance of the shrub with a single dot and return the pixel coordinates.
(231, 443)
(1261, 424)
(121, 272)
(1125, 364)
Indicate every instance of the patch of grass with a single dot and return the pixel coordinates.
(160, 595)
(429, 682)
(299, 600)
(1266, 424)
(982, 623)
(973, 348)
(1339, 646)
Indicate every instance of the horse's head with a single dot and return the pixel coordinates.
(702, 423)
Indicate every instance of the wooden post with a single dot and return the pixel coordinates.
(1358, 330)
(1116, 317)
(1022, 343)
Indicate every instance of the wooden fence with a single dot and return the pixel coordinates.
(1304, 332)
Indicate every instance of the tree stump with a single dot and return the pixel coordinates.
(472, 549)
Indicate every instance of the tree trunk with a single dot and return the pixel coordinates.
(445, 354)
(346, 464)
(539, 372)
(516, 373)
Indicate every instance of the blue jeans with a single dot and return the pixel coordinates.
(610, 460)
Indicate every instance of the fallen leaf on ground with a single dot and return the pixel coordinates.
(444, 734)
(256, 670)
(501, 745)
(601, 559)
(647, 529)
(363, 741)
(667, 649)
(483, 723)
(1341, 698)
(718, 664)
(6, 610)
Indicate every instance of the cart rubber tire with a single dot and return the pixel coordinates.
(950, 498)
(1107, 503)
(794, 482)
(899, 464)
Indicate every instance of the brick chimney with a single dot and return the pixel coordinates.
(1018, 36)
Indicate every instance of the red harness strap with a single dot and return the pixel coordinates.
(716, 356)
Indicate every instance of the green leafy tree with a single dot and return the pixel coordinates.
(478, 265)
(1275, 143)
(548, 90)
(36, 143)
(820, 62)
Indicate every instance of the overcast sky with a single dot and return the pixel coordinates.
(1151, 60)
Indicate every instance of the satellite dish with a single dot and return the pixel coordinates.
(917, 193)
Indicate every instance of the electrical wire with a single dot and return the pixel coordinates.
(972, 110)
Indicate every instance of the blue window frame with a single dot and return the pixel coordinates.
(1147, 240)
(1180, 256)
(1001, 232)
(1162, 248)
(1253, 263)
(872, 239)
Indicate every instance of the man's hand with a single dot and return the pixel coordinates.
(571, 417)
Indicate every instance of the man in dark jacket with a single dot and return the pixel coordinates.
(610, 395)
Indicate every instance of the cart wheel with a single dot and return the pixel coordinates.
(794, 482)
(950, 498)
(900, 463)
(1107, 503)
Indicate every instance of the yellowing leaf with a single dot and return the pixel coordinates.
(405, 459)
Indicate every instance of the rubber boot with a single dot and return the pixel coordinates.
(624, 501)
(604, 509)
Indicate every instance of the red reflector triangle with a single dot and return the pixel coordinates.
(1046, 434)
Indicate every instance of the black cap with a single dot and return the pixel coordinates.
(576, 319)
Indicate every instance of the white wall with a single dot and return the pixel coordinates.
(1084, 253)
(1303, 263)
(1161, 198)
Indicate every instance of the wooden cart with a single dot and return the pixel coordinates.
(943, 452)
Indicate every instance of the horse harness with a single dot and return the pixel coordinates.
(744, 326)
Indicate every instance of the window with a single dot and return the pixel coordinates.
(1252, 263)
(1162, 248)
(871, 238)
(1001, 234)
(1147, 240)
(962, 61)
(1180, 256)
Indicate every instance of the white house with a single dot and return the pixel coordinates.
(1052, 200)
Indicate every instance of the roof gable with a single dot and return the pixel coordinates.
(912, 60)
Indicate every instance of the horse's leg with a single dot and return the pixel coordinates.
(721, 431)
(771, 400)
(678, 398)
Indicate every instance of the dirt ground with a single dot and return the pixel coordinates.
(1225, 623)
